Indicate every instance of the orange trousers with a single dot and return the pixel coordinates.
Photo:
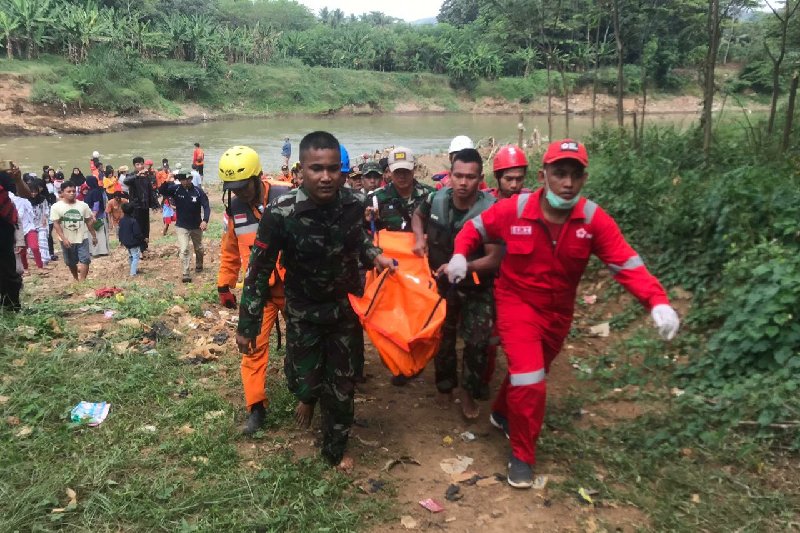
(254, 365)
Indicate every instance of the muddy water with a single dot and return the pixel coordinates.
(422, 133)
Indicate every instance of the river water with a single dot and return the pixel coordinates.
(423, 133)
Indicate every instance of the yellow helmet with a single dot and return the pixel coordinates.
(237, 165)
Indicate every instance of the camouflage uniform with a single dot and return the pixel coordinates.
(470, 310)
(395, 211)
(321, 245)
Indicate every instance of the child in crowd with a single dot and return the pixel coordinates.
(114, 209)
(168, 214)
(130, 236)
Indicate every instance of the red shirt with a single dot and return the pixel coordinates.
(548, 274)
(198, 156)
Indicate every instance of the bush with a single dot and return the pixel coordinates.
(727, 229)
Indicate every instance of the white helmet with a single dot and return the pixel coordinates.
(95, 155)
(460, 143)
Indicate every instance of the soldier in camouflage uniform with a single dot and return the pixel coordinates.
(319, 229)
(398, 200)
(470, 303)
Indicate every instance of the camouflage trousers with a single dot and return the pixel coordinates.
(319, 366)
(470, 315)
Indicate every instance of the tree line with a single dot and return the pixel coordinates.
(656, 43)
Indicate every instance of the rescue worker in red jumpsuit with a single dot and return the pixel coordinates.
(549, 236)
(510, 167)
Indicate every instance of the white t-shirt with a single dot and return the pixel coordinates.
(25, 212)
(73, 219)
(197, 179)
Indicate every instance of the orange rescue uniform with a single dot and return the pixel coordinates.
(241, 224)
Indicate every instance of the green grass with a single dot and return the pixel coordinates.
(126, 476)
(722, 481)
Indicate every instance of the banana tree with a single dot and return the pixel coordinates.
(8, 25)
(32, 15)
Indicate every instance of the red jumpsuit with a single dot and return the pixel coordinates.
(535, 294)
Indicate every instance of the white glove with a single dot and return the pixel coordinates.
(666, 319)
(457, 268)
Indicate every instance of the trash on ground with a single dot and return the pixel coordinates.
(453, 493)
(371, 486)
(404, 460)
(456, 465)
(589, 299)
(108, 314)
(675, 391)
(539, 482)
(370, 443)
(92, 413)
(23, 432)
(470, 477)
(71, 505)
(696, 498)
(585, 497)
(106, 292)
(408, 522)
(487, 482)
(468, 436)
(447, 440)
(220, 338)
(4, 399)
(149, 429)
(211, 415)
(130, 323)
(432, 505)
(25, 332)
(600, 330)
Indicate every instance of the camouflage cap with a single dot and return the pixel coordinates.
(370, 168)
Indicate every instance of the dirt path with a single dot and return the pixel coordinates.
(394, 422)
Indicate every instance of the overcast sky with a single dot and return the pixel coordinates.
(408, 10)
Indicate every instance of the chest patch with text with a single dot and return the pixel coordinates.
(521, 230)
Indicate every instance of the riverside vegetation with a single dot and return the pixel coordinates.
(709, 441)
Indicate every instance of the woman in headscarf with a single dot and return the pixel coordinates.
(96, 200)
(79, 180)
(41, 215)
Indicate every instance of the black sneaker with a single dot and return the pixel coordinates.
(520, 475)
(198, 268)
(500, 422)
(186, 279)
(256, 419)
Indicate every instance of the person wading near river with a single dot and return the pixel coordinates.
(193, 213)
(72, 221)
(241, 174)
(198, 159)
(142, 197)
(549, 236)
(319, 230)
(286, 151)
(470, 303)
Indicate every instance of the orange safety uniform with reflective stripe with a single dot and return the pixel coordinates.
(241, 223)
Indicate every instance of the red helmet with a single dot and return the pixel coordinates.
(510, 156)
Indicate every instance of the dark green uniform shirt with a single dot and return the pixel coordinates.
(395, 211)
(321, 247)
